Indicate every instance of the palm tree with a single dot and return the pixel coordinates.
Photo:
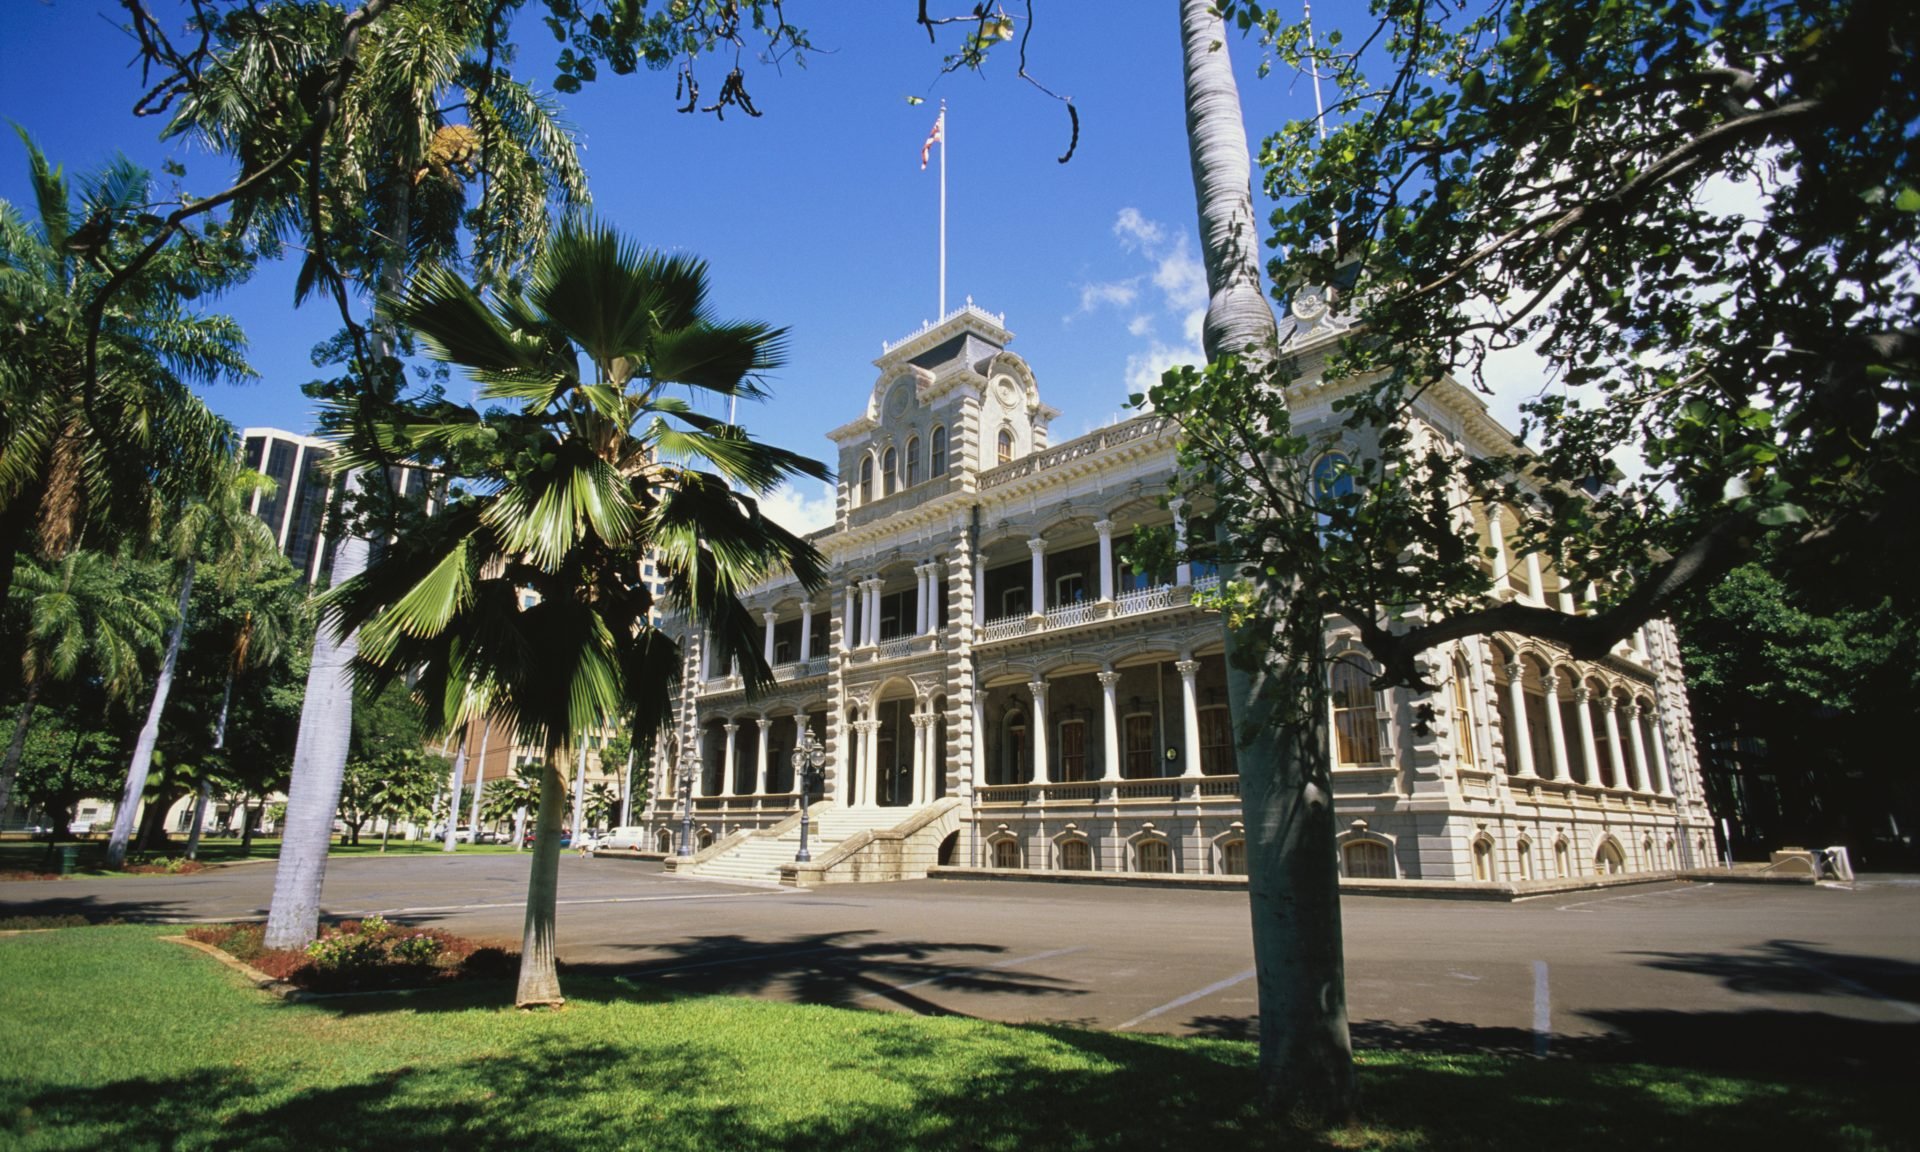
(502, 800)
(89, 615)
(389, 191)
(529, 593)
(1306, 1055)
(216, 527)
(601, 804)
(81, 455)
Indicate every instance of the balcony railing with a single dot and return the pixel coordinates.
(1068, 615)
(1167, 788)
(1143, 600)
(1140, 427)
(1004, 628)
(801, 669)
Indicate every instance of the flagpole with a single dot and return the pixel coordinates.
(943, 211)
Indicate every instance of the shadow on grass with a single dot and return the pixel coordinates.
(902, 1084)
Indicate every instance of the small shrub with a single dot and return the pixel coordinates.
(419, 948)
(360, 955)
(34, 923)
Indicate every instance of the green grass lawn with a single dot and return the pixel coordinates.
(117, 1040)
(29, 856)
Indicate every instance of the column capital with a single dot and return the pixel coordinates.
(1516, 672)
(1581, 694)
(1038, 688)
(1188, 669)
(806, 607)
(731, 727)
(769, 615)
(1176, 504)
(1036, 544)
(1108, 679)
(1104, 527)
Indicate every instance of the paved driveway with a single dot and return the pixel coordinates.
(1670, 972)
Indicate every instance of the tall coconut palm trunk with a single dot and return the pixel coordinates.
(136, 785)
(454, 779)
(17, 745)
(201, 795)
(539, 962)
(1275, 677)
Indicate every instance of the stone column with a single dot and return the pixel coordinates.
(1039, 690)
(1663, 771)
(1110, 703)
(873, 609)
(1497, 536)
(1639, 747)
(1105, 528)
(762, 725)
(1183, 568)
(1566, 597)
(1536, 587)
(977, 771)
(1190, 712)
(1038, 606)
(706, 654)
(1582, 701)
(981, 613)
(919, 600)
(727, 765)
(848, 623)
(1520, 752)
(806, 630)
(766, 645)
(870, 787)
(915, 796)
(1614, 757)
(1556, 729)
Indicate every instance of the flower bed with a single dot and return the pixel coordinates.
(363, 955)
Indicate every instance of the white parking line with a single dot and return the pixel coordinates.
(1542, 1010)
(1189, 998)
(1689, 890)
(970, 971)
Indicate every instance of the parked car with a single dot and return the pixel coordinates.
(566, 839)
(629, 840)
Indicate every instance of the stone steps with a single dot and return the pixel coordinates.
(760, 857)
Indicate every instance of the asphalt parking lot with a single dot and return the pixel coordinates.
(1666, 971)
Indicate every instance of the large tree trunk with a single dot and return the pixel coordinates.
(136, 785)
(326, 715)
(455, 778)
(626, 791)
(200, 797)
(17, 745)
(539, 963)
(1306, 1059)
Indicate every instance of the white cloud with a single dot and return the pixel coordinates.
(1144, 368)
(1181, 276)
(1136, 232)
(798, 512)
(1141, 325)
(1118, 293)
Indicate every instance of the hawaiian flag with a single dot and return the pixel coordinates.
(937, 136)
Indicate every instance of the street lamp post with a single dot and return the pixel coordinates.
(808, 759)
(686, 808)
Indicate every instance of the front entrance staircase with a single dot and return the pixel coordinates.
(847, 844)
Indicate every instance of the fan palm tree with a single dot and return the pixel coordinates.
(600, 805)
(502, 800)
(89, 615)
(81, 455)
(428, 112)
(529, 593)
(219, 528)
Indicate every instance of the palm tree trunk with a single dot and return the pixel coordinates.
(580, 789)
(201, 795)
(455, 778)
(246, 825)
(17, 745)
(626, 792)
(1275, 677)
(136, 785)
(326, 715)
(539, 963)
(1237, 313)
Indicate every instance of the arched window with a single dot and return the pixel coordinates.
(1356, 721)
(1608, 860)
(705, 839)
(1465, 739)
(1368, 860)
(1523, 859)
(1006, 853)
(866, 479)
(1153, 856)
(1483, 859)
(1075, 856)
(1561, 866)
(1332, 479)
(1073, 749)
(1005, 445)
(1013, 765)
(1233, 858)
(913, 461)
(889, 471)
(663, 841)
(937, 467)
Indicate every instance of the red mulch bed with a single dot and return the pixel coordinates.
(179, 866)
(364, 956)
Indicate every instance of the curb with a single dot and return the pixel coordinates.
(265, 983)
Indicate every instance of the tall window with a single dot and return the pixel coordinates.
(1138, 731)
(1483, 860)
(1005, 445)
(1536, 686)
(1006, 853)
(913, 461)
(938, 466)
(866, 479)
(1464, 737)
(1075, 856)
(1153, 856)
(1216, 741)
(1073, 750)
(1233, 858)
(1356, 720)
(1561, 867)
(1015, 768)
(1523, 859)
(890, 471)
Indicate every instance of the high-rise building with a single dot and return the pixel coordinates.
(304, 490)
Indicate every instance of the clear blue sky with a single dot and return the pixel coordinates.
(815, 216)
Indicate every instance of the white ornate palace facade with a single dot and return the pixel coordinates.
(997, 686)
